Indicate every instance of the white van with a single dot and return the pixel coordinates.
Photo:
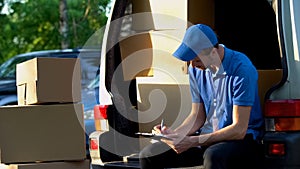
(138, 73)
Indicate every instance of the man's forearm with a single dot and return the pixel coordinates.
(231, 132)
(191, 124)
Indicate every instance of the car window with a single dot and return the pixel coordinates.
(64, 55)
(8, 68)
(94, 83)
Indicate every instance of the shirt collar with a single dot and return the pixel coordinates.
(225, 63)
(226, 60)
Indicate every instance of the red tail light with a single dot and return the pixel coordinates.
(100, 111)
(282, 108)
(277, 149)
(94, 144)
(282, 115)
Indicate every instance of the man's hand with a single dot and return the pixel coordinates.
(179, 143)
(157, 130)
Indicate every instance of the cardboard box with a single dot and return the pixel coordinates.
(85, 164)
(49, 80)
(149, 54)
(165, 43)
(168, 100)
(266, 80)
(137, 55)
(162, 99)
(171, 14)
(42, 133)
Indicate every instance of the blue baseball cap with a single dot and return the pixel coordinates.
(196, 38)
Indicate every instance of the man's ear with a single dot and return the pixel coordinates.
(212, 53)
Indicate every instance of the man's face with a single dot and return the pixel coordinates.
(202, 61)
(206, 59)
(197, 62)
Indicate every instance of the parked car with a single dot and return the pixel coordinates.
(89, 64)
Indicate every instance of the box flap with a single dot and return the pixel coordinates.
(26, 71)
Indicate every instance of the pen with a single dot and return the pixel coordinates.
(161, 124)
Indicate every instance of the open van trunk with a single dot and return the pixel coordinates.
(139, 73)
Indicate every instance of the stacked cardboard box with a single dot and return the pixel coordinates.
(161, 79)
(50, 165)
(147, 57)
(46, 128)
(158, 28)
(149, 54)
(49, 80)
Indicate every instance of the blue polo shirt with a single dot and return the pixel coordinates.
(235, 83)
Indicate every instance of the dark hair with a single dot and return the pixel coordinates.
(216, 45)
(208, 50)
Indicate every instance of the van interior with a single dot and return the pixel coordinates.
(245, 26)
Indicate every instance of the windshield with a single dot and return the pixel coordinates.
(8, 68)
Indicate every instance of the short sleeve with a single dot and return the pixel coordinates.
(244, 87)
(194, 87)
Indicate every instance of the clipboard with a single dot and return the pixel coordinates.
(153, 136)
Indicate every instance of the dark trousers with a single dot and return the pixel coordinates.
(238, 154)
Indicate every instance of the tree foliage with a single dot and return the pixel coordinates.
(34, 25)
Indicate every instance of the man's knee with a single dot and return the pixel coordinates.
(211, 156)
(146, 152)
(155, 149)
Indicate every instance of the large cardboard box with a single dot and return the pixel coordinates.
(42, 133)
(84, 164)
(49, 80)
(171, 14)
(149, 53)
